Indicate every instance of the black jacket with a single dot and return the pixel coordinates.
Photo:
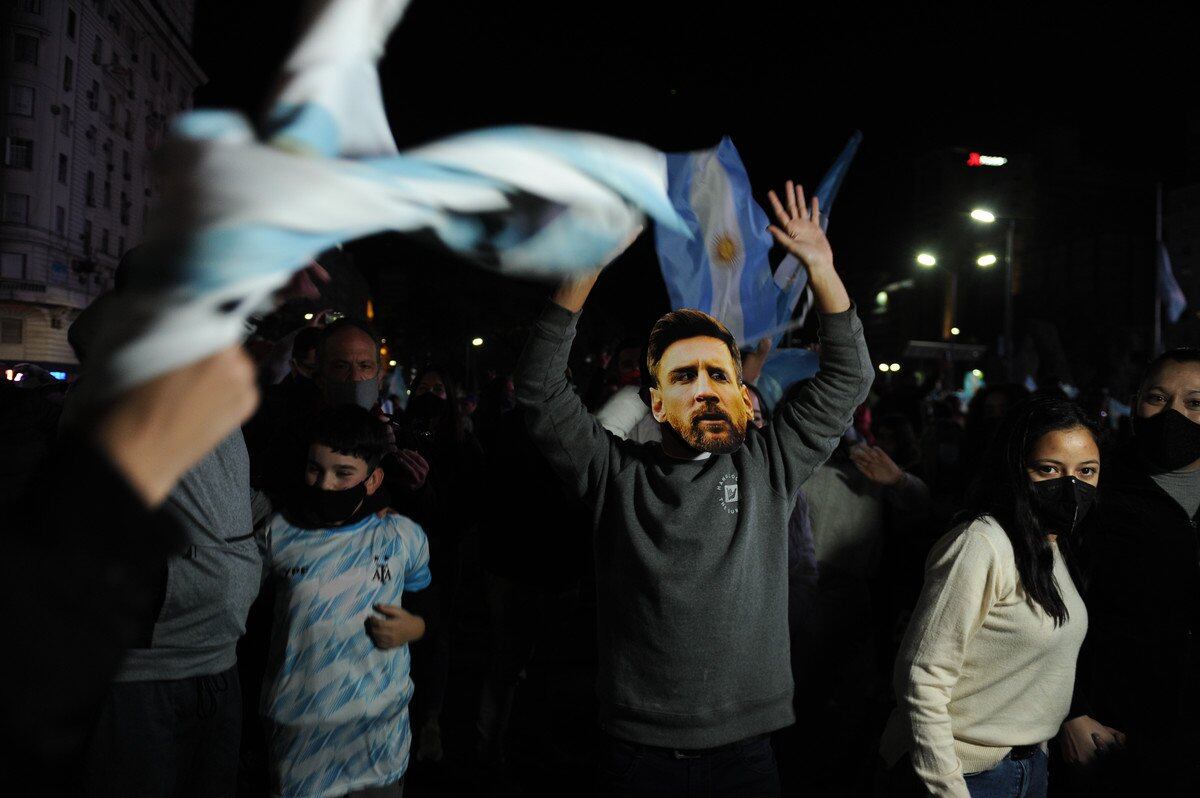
(1142, 573)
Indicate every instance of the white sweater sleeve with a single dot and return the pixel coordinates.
(962, 580)
(622, 412)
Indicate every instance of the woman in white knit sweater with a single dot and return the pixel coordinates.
(985, 674)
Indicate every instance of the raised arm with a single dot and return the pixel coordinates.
(573, 442)
(807, 429)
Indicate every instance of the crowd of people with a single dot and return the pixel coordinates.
(857, 590)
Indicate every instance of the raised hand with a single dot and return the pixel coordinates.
(876, 465)
(799, 229)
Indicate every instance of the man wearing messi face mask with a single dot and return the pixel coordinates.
(1139, 668)
(690, 534)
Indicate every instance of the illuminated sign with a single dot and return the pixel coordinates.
(975, 159)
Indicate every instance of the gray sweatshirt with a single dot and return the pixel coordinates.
(212, 583)
(691, 556)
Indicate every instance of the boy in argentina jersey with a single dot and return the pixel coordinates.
(337, 684)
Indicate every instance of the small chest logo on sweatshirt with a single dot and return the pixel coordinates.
(383, 573)
(727, 493)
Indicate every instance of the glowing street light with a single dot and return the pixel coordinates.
(981, 215)
(955, 331)
(894, 367)
(883, 367)
(986, 260)
(977, 374)
(476, 342)
(926, 260)
(881, 299)
(308, 317)
(392, 363)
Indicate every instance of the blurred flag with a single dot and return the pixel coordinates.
(244, 208)
(783, 369)
(1170, 294)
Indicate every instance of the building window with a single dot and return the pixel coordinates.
(18, 153)
(94, 96)
(20, 100)
(128, 124)
(12, 265)
(98, 51)
(107, 194)
(12, 331)
(120, 246)
(89, 190)
(70, 25)
(58, 272)
(29, 6)
(68, 74)
(86, 237)
(25, 48)
(112, 110)
(126, 172)
(60, 220)
(62, 168)
(16, 208)
(154, 65)
(104, 241)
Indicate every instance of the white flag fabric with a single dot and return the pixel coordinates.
(241, 213)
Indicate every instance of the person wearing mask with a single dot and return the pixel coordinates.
(985, 673)
(338, 682)
(690, 534)
(1139, 672)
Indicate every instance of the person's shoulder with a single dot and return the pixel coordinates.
(980, 539)
(399, 526)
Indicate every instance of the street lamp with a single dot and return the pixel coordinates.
(883, 367)
(894, 367)
(987, 217)
(977, 373)
(926, 260)
(955, 331)
(986, 260)
(881, 299)
(476, 342)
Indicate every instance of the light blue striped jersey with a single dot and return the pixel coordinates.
(336, 706)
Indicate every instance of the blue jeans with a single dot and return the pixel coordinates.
(742, 769)
(1011, 778)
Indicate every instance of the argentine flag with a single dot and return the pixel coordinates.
(722, 267)
(719, 263)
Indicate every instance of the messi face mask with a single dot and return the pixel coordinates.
(1168, 440)
(1060, 504)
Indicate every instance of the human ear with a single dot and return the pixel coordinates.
(656, 405)
(374, 481)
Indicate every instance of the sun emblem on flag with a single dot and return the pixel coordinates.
(724, 249)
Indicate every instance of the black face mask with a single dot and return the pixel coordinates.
(427, 406)
(334, 506)
(1060, 504)
(1167, 440)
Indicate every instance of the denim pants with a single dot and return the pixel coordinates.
(743, 769)
(1011, 778)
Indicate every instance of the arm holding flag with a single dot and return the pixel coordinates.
(807, 429)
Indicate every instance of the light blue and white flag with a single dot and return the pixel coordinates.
(722, 266)
(1170, 294)
(241, 212)
(783, 369)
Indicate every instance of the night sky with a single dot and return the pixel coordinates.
(789, 82)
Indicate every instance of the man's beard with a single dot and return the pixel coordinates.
(710, 430)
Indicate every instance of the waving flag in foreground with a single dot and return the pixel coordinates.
(241, 213)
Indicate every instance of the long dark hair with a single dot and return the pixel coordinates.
(450, 430)
(1002, 489)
